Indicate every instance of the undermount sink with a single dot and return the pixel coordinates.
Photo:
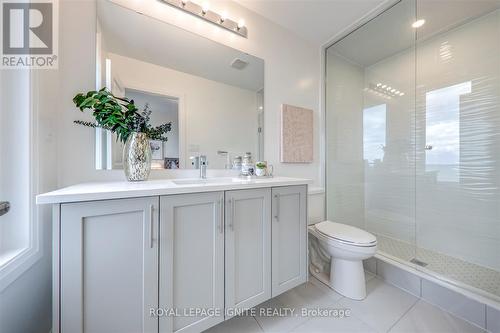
(205, 181)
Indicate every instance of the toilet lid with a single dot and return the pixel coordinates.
(345, 233)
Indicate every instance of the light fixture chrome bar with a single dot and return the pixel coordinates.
(209, 16)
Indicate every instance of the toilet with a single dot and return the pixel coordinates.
(347, 247)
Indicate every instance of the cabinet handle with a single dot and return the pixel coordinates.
(277, 209)
(221, 216)
(151, 224)
(4, 207)
(231, 217)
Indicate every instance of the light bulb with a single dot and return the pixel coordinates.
(205, 7)
(384, 86)
(223, 16)
(379, 84)
(241, 23)
(418, 23)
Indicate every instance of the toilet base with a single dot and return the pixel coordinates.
(323, 277)
(348, 278)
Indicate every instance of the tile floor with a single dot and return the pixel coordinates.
(473, 275)
(385, 309)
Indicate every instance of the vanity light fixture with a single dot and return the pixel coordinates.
(204, 12)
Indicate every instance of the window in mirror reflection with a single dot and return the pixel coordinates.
(443, 131)
(165, 155)
(374, 129)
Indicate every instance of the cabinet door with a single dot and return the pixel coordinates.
(289, 238)
(109, 266)
(248, 248)
(191, 261)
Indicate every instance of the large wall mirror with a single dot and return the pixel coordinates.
(212, 94)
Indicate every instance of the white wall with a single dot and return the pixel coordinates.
(291, 76)
(345, 167)
(217, 116)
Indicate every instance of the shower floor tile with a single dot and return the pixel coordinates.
(476, 276)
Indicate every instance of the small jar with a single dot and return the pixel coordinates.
(247, 167)
(237, 162)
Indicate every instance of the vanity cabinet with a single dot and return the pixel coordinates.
(148, 264)
(248, 248)
(109, 266)
(191, 260)
(289, 241)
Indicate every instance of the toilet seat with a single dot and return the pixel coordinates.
(346, 234)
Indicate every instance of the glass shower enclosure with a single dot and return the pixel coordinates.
(413, 137)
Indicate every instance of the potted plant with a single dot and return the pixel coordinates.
(261, 169)
(121, 116)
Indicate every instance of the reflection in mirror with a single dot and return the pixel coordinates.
(212, 94)
(165, 154)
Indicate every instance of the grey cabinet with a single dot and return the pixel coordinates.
(289, 238)
(192, 261)
(176, 263)
(248, 248)
(109, 266)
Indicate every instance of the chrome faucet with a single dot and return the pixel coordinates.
(200, 162)
(203, 166)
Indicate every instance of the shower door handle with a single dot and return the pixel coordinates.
(4, 207)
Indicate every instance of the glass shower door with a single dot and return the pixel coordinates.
(413, 137)
(458, 143)
(370, 138)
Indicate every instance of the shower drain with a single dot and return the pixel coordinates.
(418, 262)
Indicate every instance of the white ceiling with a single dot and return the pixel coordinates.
(314, 20)
(391, 32)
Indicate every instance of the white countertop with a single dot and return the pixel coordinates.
(119, 190)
